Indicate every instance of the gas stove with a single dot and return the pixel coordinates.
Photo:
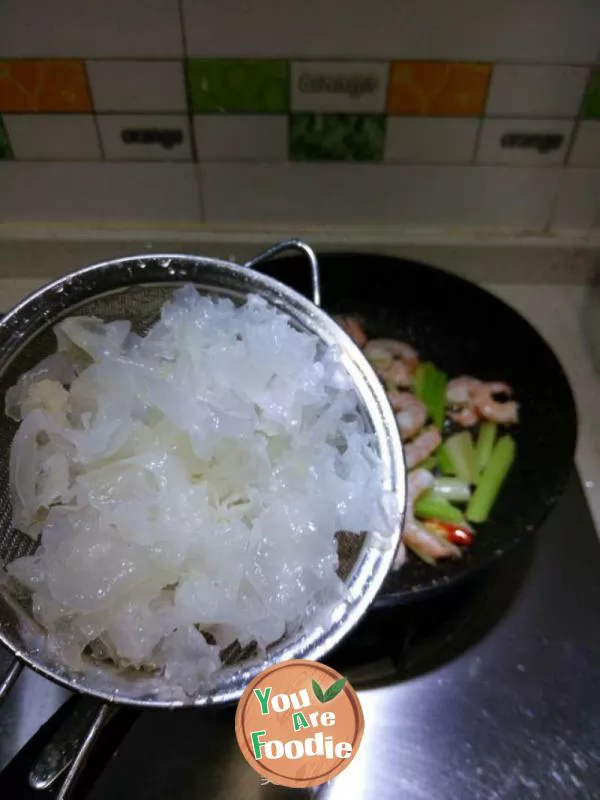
(489, 692)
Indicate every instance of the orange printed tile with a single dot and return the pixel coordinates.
(438, 89)
(44, 86)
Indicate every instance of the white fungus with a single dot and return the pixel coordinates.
(186, 482)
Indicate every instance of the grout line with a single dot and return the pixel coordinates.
(405, 60)
(579, 116)
(388, 91)
(311, 59)
(454, 165)
(190, 116)
(288, 139)
(94, 114)
(97, 112)
(571, 143)
(588, 85)
(432, 234)
(547, 229)
(4, 131)
(575, 117)
(477, 141)
(79, 58)
(383, 160)
(488, 89)
(63, 162)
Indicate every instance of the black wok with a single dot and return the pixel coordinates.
(463, 330)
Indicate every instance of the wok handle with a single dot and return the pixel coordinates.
(293, 244)
(9, 680)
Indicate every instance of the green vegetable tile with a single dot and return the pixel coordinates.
(337, 137)
(591, 100)
(5, 151)
(239, 85)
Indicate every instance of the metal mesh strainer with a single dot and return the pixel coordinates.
(135, 289)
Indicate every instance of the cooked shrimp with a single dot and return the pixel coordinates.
(379, 358)
(411, 414)
(422, 542)
(459, 391)
(396, 349)
(427, 545)
(418, 482)
(493, 409)
(354, 328)
(392, 371)
(422, 447)
(460, 394)
(467, 416)
(397, 375)
(394, 361)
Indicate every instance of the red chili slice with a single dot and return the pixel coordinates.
(456, 534)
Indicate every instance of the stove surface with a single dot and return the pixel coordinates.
(488, 693)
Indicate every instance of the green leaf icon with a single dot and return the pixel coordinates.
(331, 693)
(334, 689)
(318, 692)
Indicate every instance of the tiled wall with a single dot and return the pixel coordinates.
(331, 112)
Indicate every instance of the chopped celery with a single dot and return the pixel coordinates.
(452, 489)
(491, 479)
(444, 462)
(461, 453)
(430, 388)
(428, 506)
(420, 374)
(429, 463)
(485, 444)
(438, 400)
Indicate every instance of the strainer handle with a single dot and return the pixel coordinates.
(9, 679)
(62, 754)
(67, 754)
(83, 752)
(293, 244)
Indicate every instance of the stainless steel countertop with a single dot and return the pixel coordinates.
(501, 703)
(516, 714)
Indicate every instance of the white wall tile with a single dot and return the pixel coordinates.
(430, 140)
(90, 29)
(586, 147)
(333, 86)
(166, 137)
(563, 31)
(494, 149)
(303, 194)
(520, 90)
(70, 137)
(98, 192)
(578, 202)
(243, 137)
(132, 86)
